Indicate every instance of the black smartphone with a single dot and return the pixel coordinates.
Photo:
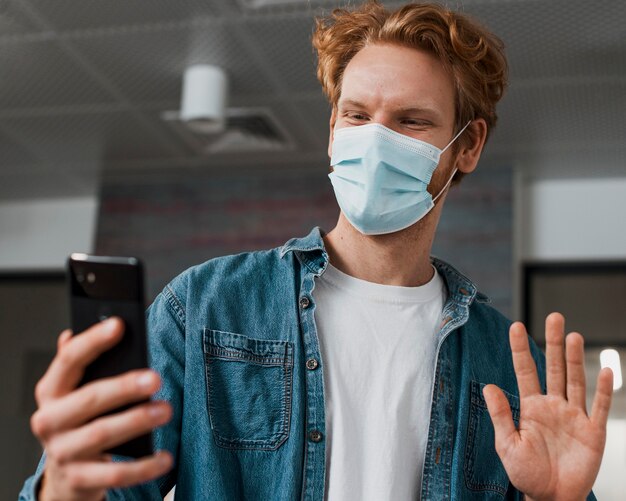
(102, 287)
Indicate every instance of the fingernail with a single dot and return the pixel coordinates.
(163, 458)
(110, 324)
(146, 380)
(157, 411)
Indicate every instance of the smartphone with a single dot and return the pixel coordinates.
(102, 287)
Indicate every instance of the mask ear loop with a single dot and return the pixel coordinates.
(456, 137)
(455, 169)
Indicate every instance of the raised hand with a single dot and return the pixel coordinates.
(67, 423)
(556, 451)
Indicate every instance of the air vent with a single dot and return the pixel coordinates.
(248, 130)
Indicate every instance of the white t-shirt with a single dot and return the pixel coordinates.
(378, 356)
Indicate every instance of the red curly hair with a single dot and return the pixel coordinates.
(473, 56)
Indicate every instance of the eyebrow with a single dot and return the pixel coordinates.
(410, 109)
(351, 102)
(417, 109)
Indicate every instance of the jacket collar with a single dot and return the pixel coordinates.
(312, 242)
(311, 251)
(460, 288)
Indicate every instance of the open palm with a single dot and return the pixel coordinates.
(556, 451)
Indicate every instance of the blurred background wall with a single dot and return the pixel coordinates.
(93, 158)
(176, 220)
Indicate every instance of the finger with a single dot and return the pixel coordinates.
(68, 366)
(602, 399)
(92, 400)
(99, 475)
(575, 355)
(63, 338)
(525, 368)
(502, 418)
(555, 354)
(91, 440)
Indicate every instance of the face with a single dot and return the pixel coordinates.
(405, 89)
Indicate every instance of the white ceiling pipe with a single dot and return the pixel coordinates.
(204, 98)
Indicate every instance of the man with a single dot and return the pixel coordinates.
(349, 365)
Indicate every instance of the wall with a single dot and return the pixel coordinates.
(35, 236)
(564, 216)
(32, 313)
(573, 218)
(39, 234)
(475, 232)
(174, 220)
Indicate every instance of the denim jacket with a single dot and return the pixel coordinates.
(235, 342)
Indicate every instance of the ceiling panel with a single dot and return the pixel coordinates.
(567, 89)
(146, 143)
(149, 65)
(541, 115)
(559, 38)
(317, 114)
(82, 14)
(13, 21)
(290, 118)
(89, 138)
(51, 182)
(282, 7)
(39, 73)
(12, 154)
(279, 39)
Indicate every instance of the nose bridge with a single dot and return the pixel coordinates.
(386, 118)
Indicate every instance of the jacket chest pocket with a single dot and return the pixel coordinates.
(483, 469)
(249, 385)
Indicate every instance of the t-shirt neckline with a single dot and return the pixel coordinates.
(380, 292)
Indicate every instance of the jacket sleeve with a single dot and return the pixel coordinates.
(166, 353)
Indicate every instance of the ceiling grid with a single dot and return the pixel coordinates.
(99, 77)
(85, 81)
(276, 77)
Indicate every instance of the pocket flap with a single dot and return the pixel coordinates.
(261, 351)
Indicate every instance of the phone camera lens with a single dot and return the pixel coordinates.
(80, 277)
(91, 277)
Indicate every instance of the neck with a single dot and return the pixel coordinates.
(401, 258)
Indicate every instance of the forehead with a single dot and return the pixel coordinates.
(393, 76)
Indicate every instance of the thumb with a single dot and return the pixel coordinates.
(501, 416)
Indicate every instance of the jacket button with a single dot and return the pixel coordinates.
(304, 302)
(311, 364)
(315, 436)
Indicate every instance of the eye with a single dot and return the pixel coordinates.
(415, 123)
(356, 117)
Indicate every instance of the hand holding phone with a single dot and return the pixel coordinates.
(75, 438)
(101, 287)
(94, 397)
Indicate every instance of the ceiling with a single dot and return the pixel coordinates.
(83, 84)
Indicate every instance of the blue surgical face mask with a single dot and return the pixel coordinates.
(380, 177)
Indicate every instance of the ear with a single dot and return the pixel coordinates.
(469, 153)
(331, 134)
